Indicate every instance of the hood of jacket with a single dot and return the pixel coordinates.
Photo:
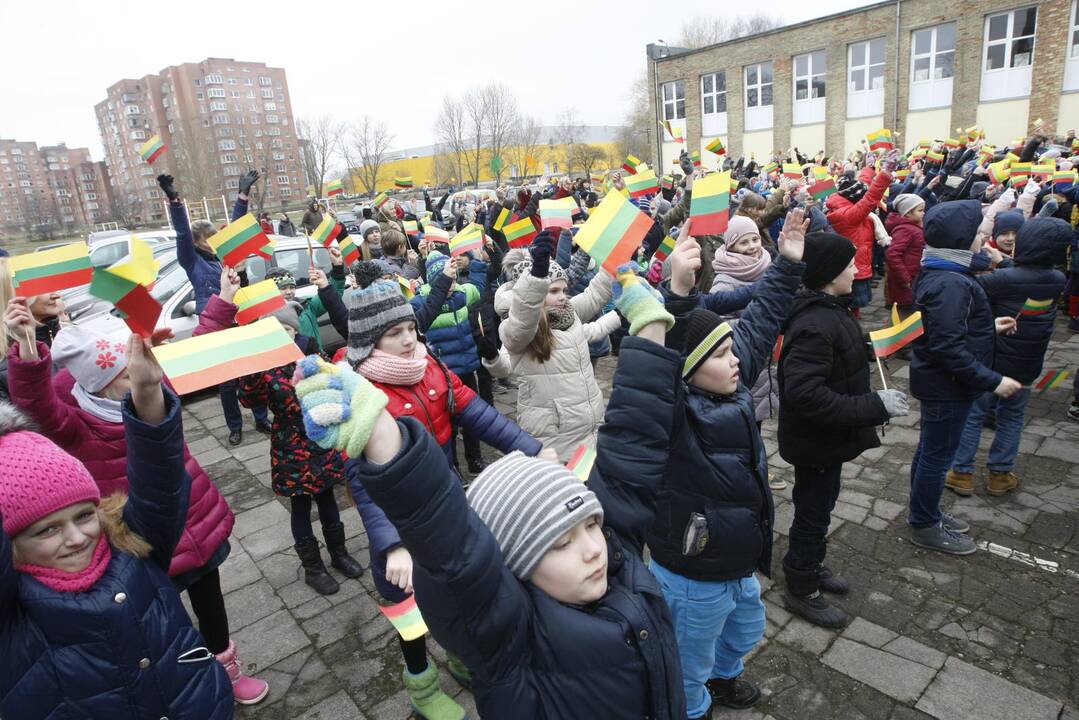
(895, 221)
(952, 225)
(1038, 238)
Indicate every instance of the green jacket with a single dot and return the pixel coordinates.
(313, 309)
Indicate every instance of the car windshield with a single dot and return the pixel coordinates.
(345, 216)
(170, 279)
(297, 261)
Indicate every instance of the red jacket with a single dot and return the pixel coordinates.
(904, 257)
(851, 220)
(102, 448)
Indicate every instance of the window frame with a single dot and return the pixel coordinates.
(715, 94)
(1009, 40)
(673, 102)
(933, 53)
(812, 72)
(866, 68)
(759, 85)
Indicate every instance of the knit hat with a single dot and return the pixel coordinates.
(737, 227)
(906, 202)
(1011, 220)
(289, 316)
(826, 255)
(850, 187)
(436, 261)
(527, 504)
(952, 225)
(705, 332)
(512, 258)
(94, 360)
(555, 272)
(37, 477)
(366, 226)
(281, 277)
(371, 312)
(367, 271)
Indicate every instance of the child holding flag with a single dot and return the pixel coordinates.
(828, 417)
(535, 580)
(1020, 355)
(313, 308)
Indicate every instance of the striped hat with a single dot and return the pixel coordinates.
(705, 333)
(371, 312)
(527, 504)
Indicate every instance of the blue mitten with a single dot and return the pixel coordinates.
(637, 301)
(340, 406)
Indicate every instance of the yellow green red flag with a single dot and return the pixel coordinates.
(49, 271)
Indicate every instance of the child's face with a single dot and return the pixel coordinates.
(574, 570)
(556, 294)
(719, 373)
(916, 215)
(749, 244)
(288, 292)
(63, 540)
(1006, 241)
(400, 340)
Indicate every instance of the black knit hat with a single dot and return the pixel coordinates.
(705, 332)
(826, 255)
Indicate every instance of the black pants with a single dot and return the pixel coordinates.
(328, 514)
(209, 606)
(480, 382)
(815, 492)
(415, 654)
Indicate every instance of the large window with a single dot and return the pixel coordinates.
(674, 100)
(809, 71)
(1071, 67)
(865, 78)
(714, 104)
(932, 61)
(1009, 39)
(758, 97)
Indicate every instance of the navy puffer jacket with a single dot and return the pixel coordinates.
(1020, 356)
(531, 656)
(718, 466)
(203, 270)
(115, 651)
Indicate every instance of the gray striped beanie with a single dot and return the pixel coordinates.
(527, 504)
(371, 312)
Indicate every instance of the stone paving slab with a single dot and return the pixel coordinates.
(963, 690)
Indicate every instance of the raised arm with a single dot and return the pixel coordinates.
(185, 242)
(428, 307)
(589, 303)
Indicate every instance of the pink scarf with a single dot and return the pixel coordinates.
(740, 267)
(394, 369)
(81, 581)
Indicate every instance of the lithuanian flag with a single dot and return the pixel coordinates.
(631, 163)
(890, 339)
(819, 172)
(822, 189)
(380, 200)
(559, 213)
(710, 205)
(470, 238)
(581, 463)
(254, 301)
(664, 250)
(1043, 171)
(433, 233)
(695, 158)
(1063, 179)
(152, 149)
(973, 133)
(137, 306)
(934, 155)
(239, 239)
(951, 143)
(643, 183)
(1036, 307)
(49, 271)
(919, 153)
(211, 359)
(406, 287)
(520, 233)
(502, 219)
(348, 249)
(880, 140)
(326, 231)
(901, 173)
(792, 171)
(770, 168)
(403, 182)
(985, 153)
(1051, 379)
(613, 232)
(1020, 174)
(999, 172)
(406, 618)
(666, 182)
(334, 187)
(716, 146)
(596, 178)
(411, 227)
(674, 132)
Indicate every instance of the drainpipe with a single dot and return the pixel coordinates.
(895, 95)
(655, 109)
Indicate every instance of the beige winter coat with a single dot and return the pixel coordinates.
(558, 401)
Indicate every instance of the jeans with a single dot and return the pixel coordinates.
(942, 429)
(815, 492)
(1010, 415)
(716, 624)
(231, 405)
(862, 292)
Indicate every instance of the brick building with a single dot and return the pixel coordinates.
(219, 118)
(921, 67)
(51, 188)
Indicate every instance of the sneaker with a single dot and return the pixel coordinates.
(236, 437)
(1073, 411)
(815, 609)
(776, 483)
(960, 483)
(1000, 483)
(733, 692)
(951, 522)
(936, 537)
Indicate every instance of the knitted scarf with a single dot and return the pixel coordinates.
(393, 369)
(81, 581)
(100, 407)
(743, 268)
(561, 318)
(963, 261)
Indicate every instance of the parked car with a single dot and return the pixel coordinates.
(109, 251)
(351, 221)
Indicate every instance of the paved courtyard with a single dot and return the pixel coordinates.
(993, 635)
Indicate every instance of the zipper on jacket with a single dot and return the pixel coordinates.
(419, 401)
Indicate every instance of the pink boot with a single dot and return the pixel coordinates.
(246, 690)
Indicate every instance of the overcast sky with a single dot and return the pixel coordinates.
(393, 60)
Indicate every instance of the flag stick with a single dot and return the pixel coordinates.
(30, 342)
(881, 368)
(310, 250)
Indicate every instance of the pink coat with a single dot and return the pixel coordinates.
(102, 448)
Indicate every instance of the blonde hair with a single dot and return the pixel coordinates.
(7, 291)
(110, 514)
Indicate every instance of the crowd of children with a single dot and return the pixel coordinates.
(535, 583)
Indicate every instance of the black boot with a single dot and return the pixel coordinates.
(476, 465)
(314, 572)
(339, 557)
(733, 693)
(832, 583)
(802, 597)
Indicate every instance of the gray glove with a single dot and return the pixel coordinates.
(895, 402)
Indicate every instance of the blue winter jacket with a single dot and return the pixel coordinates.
(449, 336)
(1020, 356)
(204, 271)
(531, 656)
(718, 466)
(116, 650)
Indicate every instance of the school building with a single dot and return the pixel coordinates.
(920, 67)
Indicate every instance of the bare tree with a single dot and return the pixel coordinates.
(570, 131)
(635, 137)
(450, 134)
(370, 141)
(524, 145)
(123, 208)
(194, 157)
(475, 110)
(321, 141)
(702, 30)
(587, 156)
(502, 119)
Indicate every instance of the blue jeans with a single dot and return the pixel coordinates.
(862, 292)
(231, 405)
(942, 428)
(1002, 453)
(716, 624)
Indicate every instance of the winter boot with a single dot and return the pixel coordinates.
(314, 572)
(339, 557)
(428, 700)
(803, 598)
(459, 671)
(832, 583)
(733, 692)
(1000, 483)
(246, 690)
(961, 483)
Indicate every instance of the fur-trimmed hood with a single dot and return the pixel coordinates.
(12, 420)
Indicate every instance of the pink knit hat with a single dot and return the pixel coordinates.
(738, 226)
(36, 476)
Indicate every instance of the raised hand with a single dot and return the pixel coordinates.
(335, 255)
(145, 374)
(793, 235)
(317, 278)
(247, 181)
(230, 283)
(165, 183)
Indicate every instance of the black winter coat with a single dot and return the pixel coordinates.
(827, 412)
(531, 656)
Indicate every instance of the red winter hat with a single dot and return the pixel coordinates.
(36, 477)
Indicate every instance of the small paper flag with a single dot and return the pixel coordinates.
(406, 618)
(348, 249)
(880, 140)
(502, 219)
(152, 149)
(716, 146)
(643, 183)
(411, 227)
(710, 205)
(520, 233)
(613, 232)
(50, 271)
(238, 239)
(136, 305)
(380, 200)
(1043, 171)
(792, 171)
(823, 189)
(141, 268)
(582, 461)
(470, 238)
(631, 163)
(406, 287)
(326, 231)
(891, 339)
(558, 213)
(695, 158)
(664, 250)
(435, 234)
(254, 301)
(1050, 380)
(403, 182)
(334, 187)
(1036, 307)
(819, 172)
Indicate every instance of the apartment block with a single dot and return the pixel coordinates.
(52, 187)
(219, 117)
(920, 67)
